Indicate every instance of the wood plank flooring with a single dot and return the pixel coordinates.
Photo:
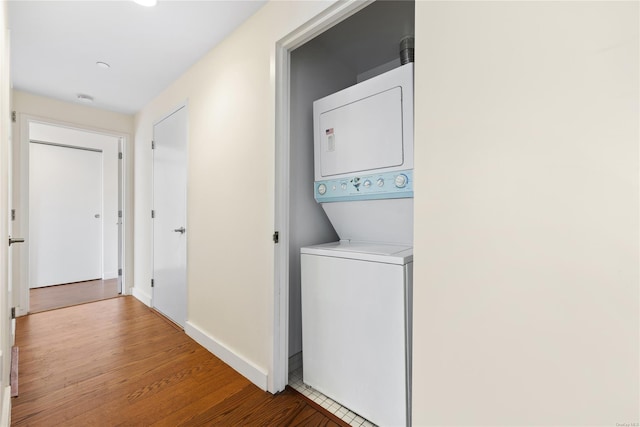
(52, 297)
(116, 362)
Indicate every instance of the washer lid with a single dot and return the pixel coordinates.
(375, 252)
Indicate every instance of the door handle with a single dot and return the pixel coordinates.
(180, 230)
(15, 240)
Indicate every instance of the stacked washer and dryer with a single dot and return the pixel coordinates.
(357, 292)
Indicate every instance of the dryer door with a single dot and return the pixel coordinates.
(363, 135)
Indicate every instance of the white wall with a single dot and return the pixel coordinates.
(31, 107)
(65, 112)
(109, 146)
(526, 299)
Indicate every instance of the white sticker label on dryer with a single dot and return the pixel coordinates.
(331, 141)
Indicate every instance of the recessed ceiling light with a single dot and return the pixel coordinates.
(147, 3)
(85, 98)
(103, 64)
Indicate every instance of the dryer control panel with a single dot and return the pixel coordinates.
(389, 185)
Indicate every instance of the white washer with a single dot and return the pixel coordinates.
(356, 326)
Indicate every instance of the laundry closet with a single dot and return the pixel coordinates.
(351, 211)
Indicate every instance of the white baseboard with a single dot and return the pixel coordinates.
(142, 296)
(5, 415)
(247, 369)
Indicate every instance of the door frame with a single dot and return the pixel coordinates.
(7, 288)
(333, 15)
(21, 182)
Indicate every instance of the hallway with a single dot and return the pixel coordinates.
(117, 362)
(58, 296)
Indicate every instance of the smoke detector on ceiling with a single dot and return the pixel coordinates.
(85, 98)
(147, 3)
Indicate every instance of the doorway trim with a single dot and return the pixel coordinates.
(333, 15)
(24, 120)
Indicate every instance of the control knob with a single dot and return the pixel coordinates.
(322, 189)
(401, 180)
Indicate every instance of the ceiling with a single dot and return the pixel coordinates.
(55, 46)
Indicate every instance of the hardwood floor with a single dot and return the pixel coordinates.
(52, 297)
(116, 362)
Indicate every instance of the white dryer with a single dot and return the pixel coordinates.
(363, 158)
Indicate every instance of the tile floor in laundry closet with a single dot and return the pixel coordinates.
(295, 381)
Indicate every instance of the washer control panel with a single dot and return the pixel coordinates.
(389, 185)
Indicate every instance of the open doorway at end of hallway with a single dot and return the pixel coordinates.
(74, 225)
(60, 296)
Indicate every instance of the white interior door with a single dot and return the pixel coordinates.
(169, 224)
(65, 214)
(7, 329)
